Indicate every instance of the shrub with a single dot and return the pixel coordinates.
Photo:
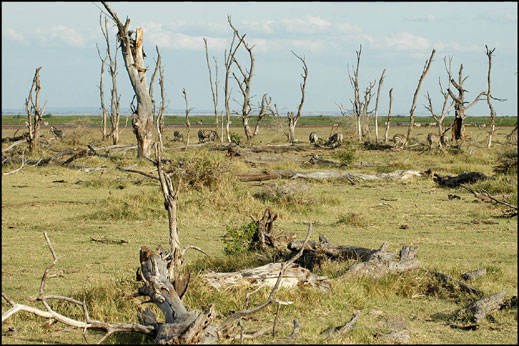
(285, 193)
(203, 169)
(235, 138)
(237, 240)
(346, 156)
(507, 162)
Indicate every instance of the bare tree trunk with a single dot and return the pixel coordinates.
(380, 81)
(160, 117)
(244, 85)
(229, 58)
(356, 103)
(114, 102)
(142, 120)
(459, 106)
(33, 107)
(364, 108)
(415, 97)
(388, 115)
(492, 125)
(101, 90)
(188, 124)
(214, 91)
(292, 119)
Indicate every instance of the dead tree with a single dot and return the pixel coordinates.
(380, 81)
(426, 68)
(245, 84)
(492, 125)
(264, 109)
(115, 97)
(446, 107)
(33, 109)
(101, 91)
(160, 116)
(356, 94)
(188, 124)
(388, 115)
(229, 58)
(292, 119)
(214, 90)
(132, 51)
(368, 95)
(458, 128)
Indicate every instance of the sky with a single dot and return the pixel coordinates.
(396, 36)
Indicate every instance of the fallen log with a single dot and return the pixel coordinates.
(463, 178)
(477, 311)
(335, 331)
(278, 174)
(267, 275)
(450, 283)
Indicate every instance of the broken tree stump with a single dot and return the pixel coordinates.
(181, 326)
(477, 311)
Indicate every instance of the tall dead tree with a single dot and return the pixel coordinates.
(244, 84)
(188, 124)
(458, 128)
(426, 68)
(229, 58)
(159, 117)
(388, 115)
(292, 119)
(446, 106)
(101, 92)
(356, 94)
(33, 109)
(380, 81)
(132, 51)
(214, 90)
(492, 125)
(115, 110)
(368, 95)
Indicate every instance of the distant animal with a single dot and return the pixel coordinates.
(200, 122)
(399, 140)
(209, 135)
(433, 140)
(335, 140)
(313, 138)
(56, 132)
(178, 136)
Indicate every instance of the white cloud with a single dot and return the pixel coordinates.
(262, 26)
(63, 33)
(452, 46)
(407, 42)
(424, 19)
(309, 24)
(157, 35)
(14, 35)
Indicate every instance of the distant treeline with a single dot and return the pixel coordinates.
(322, 120)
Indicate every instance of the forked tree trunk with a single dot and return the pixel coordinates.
(380, 81)
(415, 97)
(142, 119)
(388, 115)
(33, 107)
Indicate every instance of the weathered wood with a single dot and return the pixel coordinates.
(474, 274)
(267, 275)
(463, 178)
(477, 311)
(293, 118)
(382, 262)
(415, 97)
(340, 330)
(275, 174)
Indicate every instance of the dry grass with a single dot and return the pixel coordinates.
(453, 237)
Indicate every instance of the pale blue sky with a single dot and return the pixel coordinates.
(398, 37)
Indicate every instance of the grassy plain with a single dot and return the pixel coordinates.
(453, 237)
